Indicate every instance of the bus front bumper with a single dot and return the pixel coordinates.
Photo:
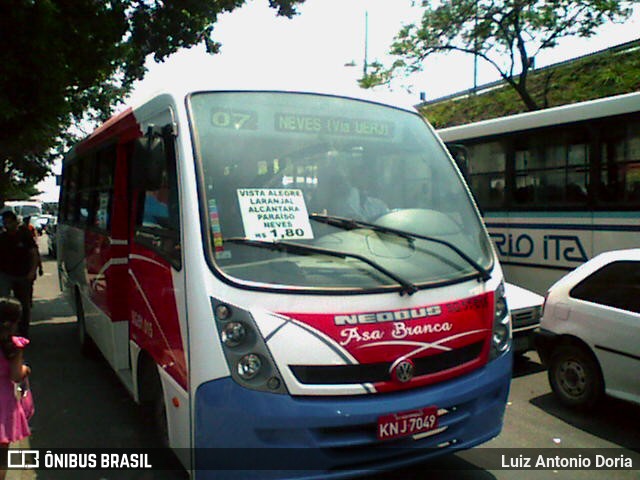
(242, 432)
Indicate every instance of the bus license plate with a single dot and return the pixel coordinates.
(404, 424)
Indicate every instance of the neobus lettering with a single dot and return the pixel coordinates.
(379, 317)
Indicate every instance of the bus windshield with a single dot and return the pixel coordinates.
(272, 163)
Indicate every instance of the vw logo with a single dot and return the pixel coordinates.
(403, 371)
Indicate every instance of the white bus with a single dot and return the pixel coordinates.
(556, 186)
(23, 208)
(270, 269)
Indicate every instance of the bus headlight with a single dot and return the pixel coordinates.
(233, 334)
(249, 360)
(501, 337)
(501, 334)
(249, 366)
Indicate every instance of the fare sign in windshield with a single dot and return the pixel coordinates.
(274, 214)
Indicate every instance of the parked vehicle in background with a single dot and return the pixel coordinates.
(23, 208)
(556, 186)
(41, 222)
(526, 308)
(50, 207)
(590, 330)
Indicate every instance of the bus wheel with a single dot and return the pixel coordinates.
(152, 400)
(575, 377)
(87, 346)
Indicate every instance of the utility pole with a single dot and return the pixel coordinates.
(366, 42)
(475, 50)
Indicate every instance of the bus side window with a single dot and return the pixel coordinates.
(103, 188)
(158, 220)
(619, 180)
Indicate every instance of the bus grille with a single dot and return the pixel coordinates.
(380, 372)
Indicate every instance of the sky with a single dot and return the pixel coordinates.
(313, 48)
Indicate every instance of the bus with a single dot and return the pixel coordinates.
(556, 186)
(23, 208)
(279, 269)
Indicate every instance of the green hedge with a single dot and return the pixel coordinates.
(599, 76)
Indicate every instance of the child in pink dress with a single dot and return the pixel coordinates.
(14, 425)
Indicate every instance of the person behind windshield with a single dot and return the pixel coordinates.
(345, 199)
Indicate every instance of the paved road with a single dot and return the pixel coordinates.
(80, 403)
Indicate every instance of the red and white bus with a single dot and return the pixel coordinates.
(279, 269)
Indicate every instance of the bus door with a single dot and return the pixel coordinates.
(155, 293)
(105, 256)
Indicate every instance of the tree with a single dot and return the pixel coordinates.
(66, 60)
(508, 34)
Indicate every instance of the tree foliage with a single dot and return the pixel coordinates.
(64, 60)
(507, 34)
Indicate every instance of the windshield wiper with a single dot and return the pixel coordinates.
(407, 287)
(352, 224)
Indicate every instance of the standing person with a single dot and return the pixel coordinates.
(26, 223)
(18, 266)
(14, 424)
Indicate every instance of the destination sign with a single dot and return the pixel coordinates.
(234, 119)
(316, 124)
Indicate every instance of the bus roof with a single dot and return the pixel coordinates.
(603, 107)
(125, 120)
(181, 90)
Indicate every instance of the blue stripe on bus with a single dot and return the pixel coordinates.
(564, 214)
(552, 226)
(544, 266)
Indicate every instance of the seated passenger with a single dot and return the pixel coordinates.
(346, 200)
(359, 205)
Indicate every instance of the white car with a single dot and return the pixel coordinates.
(590, 330)
(525, 307)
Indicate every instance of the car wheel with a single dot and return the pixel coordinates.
(575, 376)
